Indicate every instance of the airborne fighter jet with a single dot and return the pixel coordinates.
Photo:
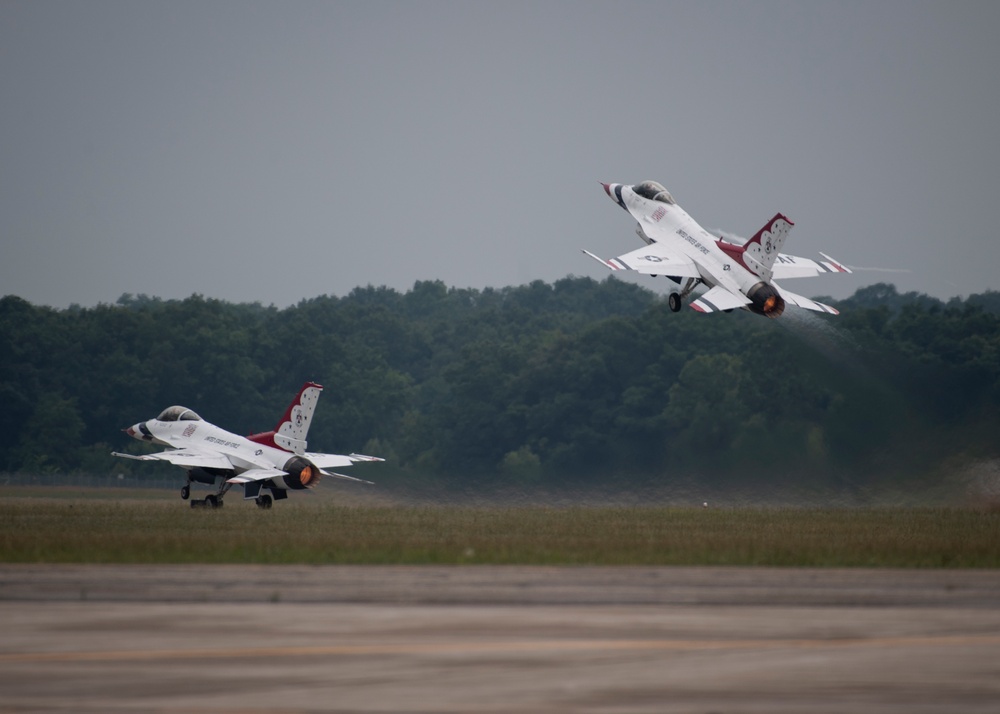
(738, 276)
(268, 465)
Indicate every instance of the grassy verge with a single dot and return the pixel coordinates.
(93, 531)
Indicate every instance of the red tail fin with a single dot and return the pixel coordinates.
(291, 431)
(761, 250)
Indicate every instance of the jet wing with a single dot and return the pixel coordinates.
(717, 299)
(790, 266)
(363, 457)
(188, 458)
(654, 259)
(804, 302)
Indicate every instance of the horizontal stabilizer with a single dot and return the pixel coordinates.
(833, 266)
(252, 475)
(329, 461)
(804, 302)
(718, 299)
(346, 478)
(792, 266)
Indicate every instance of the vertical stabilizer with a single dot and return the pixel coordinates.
(291, 431)
(761, 251)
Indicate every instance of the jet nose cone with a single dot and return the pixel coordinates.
(130, 431)
(614, 191)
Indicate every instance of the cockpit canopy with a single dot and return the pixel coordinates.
(178, 414)
(654, 192)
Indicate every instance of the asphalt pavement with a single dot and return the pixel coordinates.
(105, 638)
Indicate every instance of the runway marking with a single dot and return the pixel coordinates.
(464, 648)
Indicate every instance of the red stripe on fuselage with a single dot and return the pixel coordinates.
(733, 251)
(266, 438)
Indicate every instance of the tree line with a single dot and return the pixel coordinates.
(577, 381)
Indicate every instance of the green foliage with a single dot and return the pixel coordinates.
(575, 382)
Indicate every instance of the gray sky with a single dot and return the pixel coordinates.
(274, 151)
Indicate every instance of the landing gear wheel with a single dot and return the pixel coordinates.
(674, 301)
(212, 501)
(185, 492)
(263, 501)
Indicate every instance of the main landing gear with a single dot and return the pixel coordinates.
(676, 300)
(252, 491)
(213, 500)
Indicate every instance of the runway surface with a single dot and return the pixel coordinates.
(497, 639)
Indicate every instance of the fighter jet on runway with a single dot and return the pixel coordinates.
(738, 276)
(274, 461)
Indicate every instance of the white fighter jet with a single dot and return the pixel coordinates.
(738, 276)
(274, 461)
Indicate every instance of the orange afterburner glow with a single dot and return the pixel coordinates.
(307, 476)
(773, 306)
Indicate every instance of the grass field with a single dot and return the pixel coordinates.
(73, 529)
